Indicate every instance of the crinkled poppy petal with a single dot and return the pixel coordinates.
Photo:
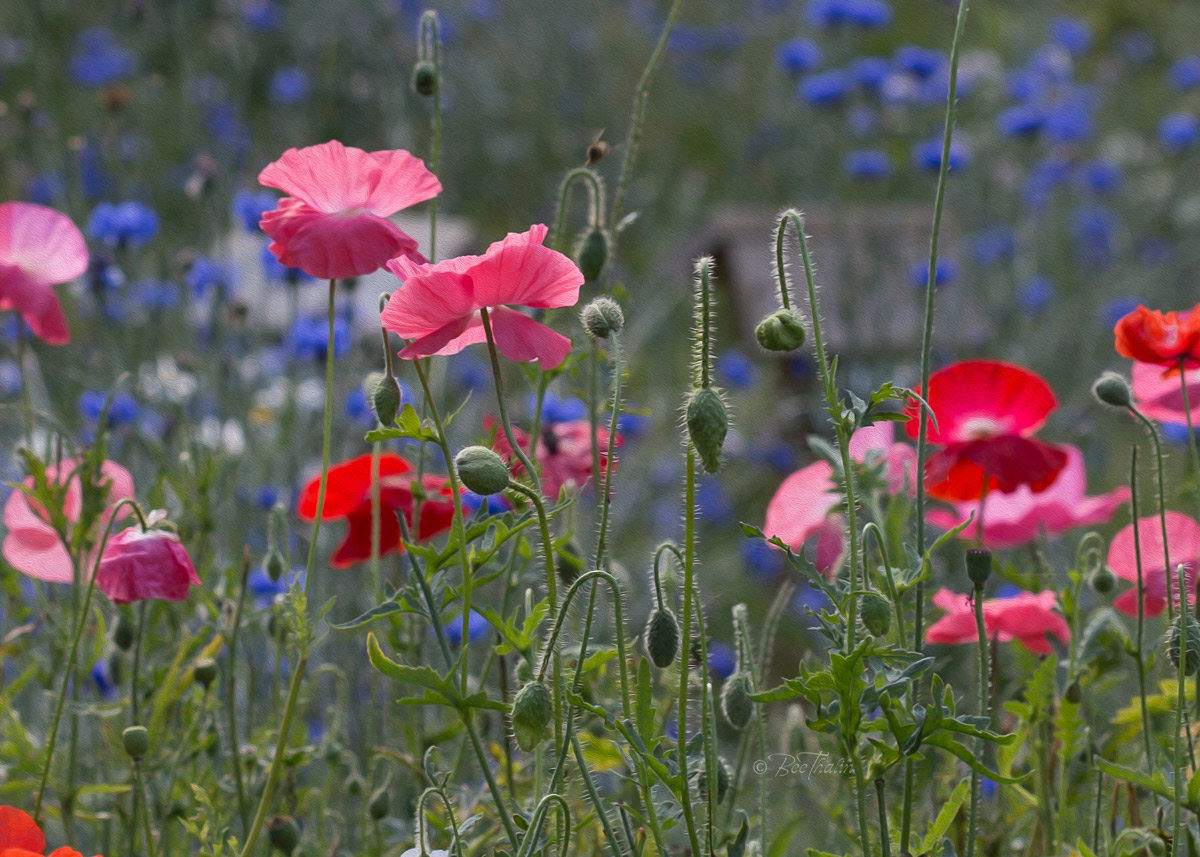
(137, 566)
(801, 504)
(437, 512)
(1150, 336)
(19, 830)
(521, 271)
(449, 339)
(348, 483)
(42, 242)
(980, 398)
(831, 544)
(333, 246)
(330, 177)
(521, 339)
(403, 181)
(957, 472)
(427, 303)
(356, 546)
(37, 303)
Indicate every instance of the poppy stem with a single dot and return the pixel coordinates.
(430, 48)
(595, 198)
(235, 754)
(26, 396)
(981, 630)
(1185, 652)
(504, 420)
(137, 663)
(1141, 605)
(689, 566)
(605, 498)
(1162, 516)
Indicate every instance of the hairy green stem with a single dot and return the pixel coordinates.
(1141, 609)
(981, 630)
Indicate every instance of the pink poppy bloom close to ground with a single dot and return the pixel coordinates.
(564, 453)
(31, 545)
(1014, 519)
(333, 223)
(1028, 617)
(1183, 540)
(139, 565)
(875, 444)
(39, 248)
(1159, 395)
(439, 305)
(800, 511)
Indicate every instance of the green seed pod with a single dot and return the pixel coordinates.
(1074, 693)
(1185, 623)
(781, 331)
(354, 785)
(593, 253)
(274, 565)
(385, 399)
(380, 803)
(205, 672)
(1113, 390)
(602, 318)
(283, 833)
(424, 78)
(723, 780)
(662, 637)
(876, 613)
(1103, 580)
(707, 424)
(123, 634)
(136, 740)
(736, 704)
(532, 711)
(481, 470)
(979, 566)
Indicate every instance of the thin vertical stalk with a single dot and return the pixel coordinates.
(1162, 514)
(1180, 703)
(235, 754)
(1141, 608)
(981, 630)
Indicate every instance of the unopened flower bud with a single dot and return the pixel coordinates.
(424, 78)
(123, 634)
(1074, 693)
(736, 704)
(385, 399)
(136, 740)
(723, 780)
(380, 803)
(1103, 580)
(593, 253)
(481, 470)
(283, 833)
(781, 331)
(274, 564)
(602, 318)
(1185, 624)
(979, 566)
(532, 711)
(662, 637)
(354, 785)
(707, 424)
(205, 672)
(1112, 389)
(876, 613)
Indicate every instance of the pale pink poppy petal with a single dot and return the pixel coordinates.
(523, 340)
(427, 303)
(42, 242)
(520, 270)
(1183, 537)
(333, 246)
(40, 555)
(37, 303)
(875, 438)
(1159, 394)
(403, 181)
(448, 339)
(138, 565)
(831, 544)
(801, 504)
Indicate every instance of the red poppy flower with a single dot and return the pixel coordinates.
(987, 412)
(1150, 336)
(1183, 539)
(348, 496)
(21, 837)
(1027, 617)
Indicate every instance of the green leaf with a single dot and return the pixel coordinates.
(423, 676)
(945, 816)
(1156, 783)
(387, 608)
(947, 743)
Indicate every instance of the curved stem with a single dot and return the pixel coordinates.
(1162, 514)
(1141, 607)
(538, 819)
(893, 593)
(1180, 703)
(596, 198)
(430, 46)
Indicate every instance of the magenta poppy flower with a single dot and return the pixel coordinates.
(138, 565)
(1159, 393)
(32, 546)
(1183, 538)
(987, 412)
(1010, 520)
(564, 453)
(800, 511)
(39, 248)
(1027, 617)
(334, 221)
(876, 444)
(438, 305)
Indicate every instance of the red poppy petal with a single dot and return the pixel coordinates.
(19, 830)
(974, 398)
(348, 484)
(957, 472)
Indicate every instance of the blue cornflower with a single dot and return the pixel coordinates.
(290, 85)
(1099, 176)
(764, 561)
(798, 55)
(945, 272)
(712, 501)
(1094, 228)
(102, 677)
(631, 425)
(867, 164)
(927, 155)
(868, 14)
(826, 88)
(558, 410)
(1044, 177)
(263, 591)
(204, 274)
(918, 61)
(736, 370)
(262, 15)
(98, 60)
(1070, 121)
(1023, 120)
(477, 628)
(10, 377)
(122, 411)
(869, 72)
(309, 337)
(277, 272)
(1071, 33)
(496, 504)
(45, 188)
(1185, 72)
(249, 207)
(1178, 131)
(124, 224)
(1137, 46)
(1035, 294)
(721, 660)
(156, 295)
(994, 245)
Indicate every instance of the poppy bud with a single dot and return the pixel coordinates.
(876, 613)
(481, 470)
(379, 804)
(123, 634)
(1184, 624)
(532, 711)
(781, 331)
(205, 672)
(662, 637)
(1112, 389)
(602, 318)
(385, 399)
(979, 566)
(707, 423)
(593, 253)
(723, 779)
(1156, 847)
(283, 833)
(136, 740)
(354, 785)
(424, 78)
(1103, 580)
(524, 671)
(736, 704)
(1074, 693)
(274, 564)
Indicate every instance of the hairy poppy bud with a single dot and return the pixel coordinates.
(1074, 693)
(1103, 580)
(736, 704)
(723, 780)
(123, 634)
(481, 470)
(593, 253)
(602, 318)
(532, 711)
(979, 566)
(1184, 625)
(136, 740)
(274, 564)
(707, 423)
(662, 637)
(385, 399)
(424, 78)
(205, 671)
(876, 613)
(354, 785)
(1112, 389)
(781, 331)
(380, 803)
(283, 833)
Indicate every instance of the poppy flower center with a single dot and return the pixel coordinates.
(981, 428)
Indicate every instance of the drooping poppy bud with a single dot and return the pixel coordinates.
(979, 566)
(136, 740)
(424, 78)
(283, 833)
(593, 253)
(662, 637)
(1112, 389)
(481, 470)
(385, 399)
(532, 711)
(602, 318)
(781, 331)
(876, 613)
(736, 704)
(707, 424)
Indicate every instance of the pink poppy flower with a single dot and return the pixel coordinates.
(39, 248)
(987, 412)
(874, 444)
(1159, 394)
(800, 511)
(138, 565)
(438, 305)
(1014, 519)
(564, 453)
(334, 221)
(32, 546)
(1183, 538)
(1027, 617)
